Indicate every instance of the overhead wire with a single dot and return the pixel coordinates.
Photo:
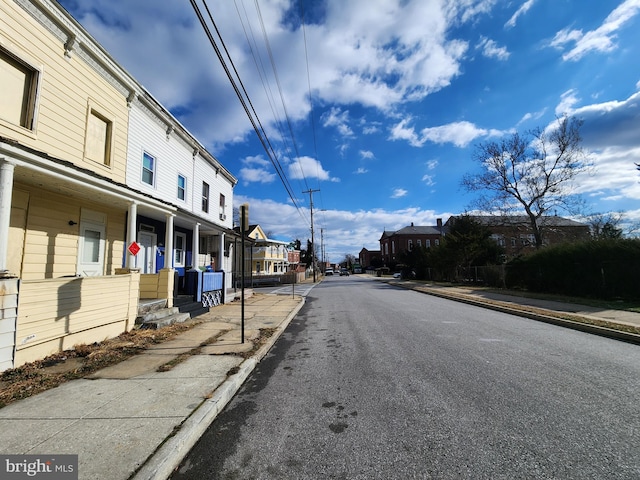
(241, 93)
(277, 79)
(311, 116)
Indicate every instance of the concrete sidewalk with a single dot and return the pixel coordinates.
(132, 419)
(599, 321)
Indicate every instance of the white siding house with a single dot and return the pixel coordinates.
(165, 162)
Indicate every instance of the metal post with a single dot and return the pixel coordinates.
(243, 226)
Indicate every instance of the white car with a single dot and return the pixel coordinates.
(397, 275)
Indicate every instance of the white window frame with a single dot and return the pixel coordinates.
(153, 171)
(179, 260)
(206, 197)
(184, 189)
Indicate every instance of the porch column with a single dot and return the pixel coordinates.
(6, 191)
(195, 250)
(131, 233)
(220, 265)
(168, 242)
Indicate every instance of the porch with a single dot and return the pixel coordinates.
(43, 317)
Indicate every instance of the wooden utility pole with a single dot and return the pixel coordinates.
(313, 247)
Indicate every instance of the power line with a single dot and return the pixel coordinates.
(250, 112)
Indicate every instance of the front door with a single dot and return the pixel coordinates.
(91, 254)
(146, 258)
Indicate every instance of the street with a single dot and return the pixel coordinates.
(372, 381)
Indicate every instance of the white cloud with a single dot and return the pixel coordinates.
(339, 119)
(601, 39)
(366, 154)
(524, 8)
(490, 49)
(432, 164)
(459, 134)
(399, 193)
(610, 134)
(567, 101)
(361, 171)
(256, 170)
(307, 167)
(428, 180)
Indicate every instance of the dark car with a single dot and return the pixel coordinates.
(344, 271)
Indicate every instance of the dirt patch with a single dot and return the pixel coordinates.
(33, 378)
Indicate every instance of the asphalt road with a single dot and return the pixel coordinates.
(375, 382)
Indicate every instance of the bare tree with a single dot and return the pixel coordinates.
(531, 172)
(605, 226)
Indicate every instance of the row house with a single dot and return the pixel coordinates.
(104, 197)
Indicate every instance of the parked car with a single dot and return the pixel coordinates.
(344, 271)
(397, 275)
(328, 272)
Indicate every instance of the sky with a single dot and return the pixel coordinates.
(373, 109)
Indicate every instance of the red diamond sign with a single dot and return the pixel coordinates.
(134, 248)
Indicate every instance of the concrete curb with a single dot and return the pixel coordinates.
(168, 456)
(575, 325)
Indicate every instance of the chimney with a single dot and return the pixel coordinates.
(439, 222)
(412, 224)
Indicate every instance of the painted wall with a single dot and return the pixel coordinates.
(49, 243)
(173, 157)
(68, 88)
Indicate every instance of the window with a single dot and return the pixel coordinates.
(223, 215)
(420, 242)
(428, 243)
(410, 245)
(148, 168)
(179, 242)
(205, 197)
(19, 91)
(182, 187)
(437, 242)
(99, 130)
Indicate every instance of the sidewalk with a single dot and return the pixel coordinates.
(131, 418)
(594, 320)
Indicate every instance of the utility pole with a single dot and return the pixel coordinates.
(322, 255)
(313, 247)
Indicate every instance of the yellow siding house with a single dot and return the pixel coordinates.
(64, 205)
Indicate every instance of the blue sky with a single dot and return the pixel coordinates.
(378, 104)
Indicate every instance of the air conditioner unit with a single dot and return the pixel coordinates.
(223, 216)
